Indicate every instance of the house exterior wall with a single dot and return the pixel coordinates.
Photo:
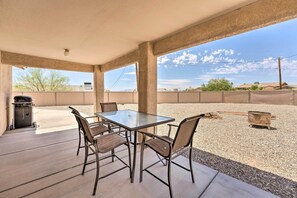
(5, 96)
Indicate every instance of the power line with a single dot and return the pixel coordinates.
(291, 56)
(118, 78)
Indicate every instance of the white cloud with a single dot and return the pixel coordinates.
(174, 83)
(205, 77)
(211, 59)
(126, 79)
(226, 52)
(130, 73)
(163, 59)
(219, 56)
(270, 63)
(185, 58)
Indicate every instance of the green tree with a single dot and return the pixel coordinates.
(40, 80)
(256, 87)
(220, 84)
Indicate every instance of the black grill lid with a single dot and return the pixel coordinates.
(22, 99)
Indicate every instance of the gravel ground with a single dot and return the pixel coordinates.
(270, 182)
(231, 138)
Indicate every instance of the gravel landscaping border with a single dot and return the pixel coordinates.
(275, 184)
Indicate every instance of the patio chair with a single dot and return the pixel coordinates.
(97, 128)
(102, 144)
(170, 148)
(108, 106)
(111, 106)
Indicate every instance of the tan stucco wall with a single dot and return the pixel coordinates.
(99, 95)
(236, 97)
(167, 97)
(121, 97)
(272, 97)
(211, 97)
(5, 96)
(88, 98)
(285, 97)
(73, 98)
(186, 97)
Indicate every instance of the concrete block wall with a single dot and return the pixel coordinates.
(271, 97)
(211, 97)
(87, 98)
(236, 97)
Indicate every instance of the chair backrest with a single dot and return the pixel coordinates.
(109, 106)
(75, 112)
(185, 132)
(85, 128)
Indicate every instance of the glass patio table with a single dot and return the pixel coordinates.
(134, 121)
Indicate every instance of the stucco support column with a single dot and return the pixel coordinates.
(147, 87)
(98, 88)
(5, 96)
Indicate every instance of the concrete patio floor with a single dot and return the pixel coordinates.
(45, 165)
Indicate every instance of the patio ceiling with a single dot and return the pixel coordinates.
(98, 31)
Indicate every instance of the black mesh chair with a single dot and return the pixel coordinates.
(96, 128)
(170, 148)
(102, 144)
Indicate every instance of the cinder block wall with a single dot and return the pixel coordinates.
(285, 97)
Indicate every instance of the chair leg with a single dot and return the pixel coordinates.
(86, 158)
(129, 154)
(97, 173)
(191, 167)
(79, 142)
(169, 177)
(130, 132)
(141, 162)
(112, 155)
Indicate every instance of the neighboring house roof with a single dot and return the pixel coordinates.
(271, 84)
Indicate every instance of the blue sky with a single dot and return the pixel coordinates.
(244, 58)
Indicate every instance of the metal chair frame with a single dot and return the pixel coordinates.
(91, 144)
(80, 132)
(111, 125)
(172, 154)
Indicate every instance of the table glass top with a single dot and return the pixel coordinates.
(134, 120)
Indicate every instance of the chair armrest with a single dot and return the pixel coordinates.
(91, 117)
(111, 133)
(172, 125)
(96, 123)
(155, 136)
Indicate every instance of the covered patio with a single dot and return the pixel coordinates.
(45, 165)
(103, 36)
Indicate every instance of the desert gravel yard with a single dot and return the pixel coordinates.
(231, 137)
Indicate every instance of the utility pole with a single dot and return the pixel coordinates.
(280, 73)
